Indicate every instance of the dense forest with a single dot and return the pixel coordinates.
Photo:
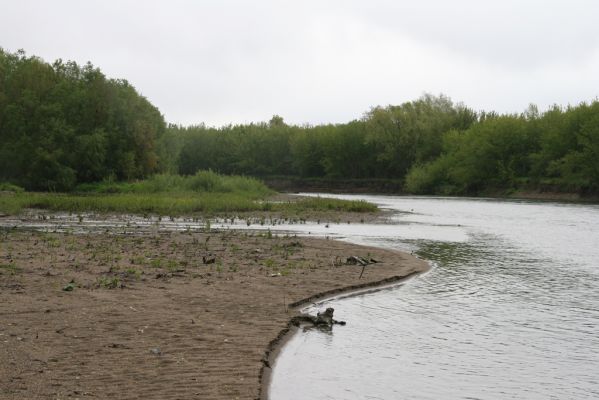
(431, 145)
(62, 125)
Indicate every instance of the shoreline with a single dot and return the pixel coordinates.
(147, 319)
(276, 345)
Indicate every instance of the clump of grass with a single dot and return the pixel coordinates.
(156, 263)
(172, 265)
(10, 269)
(201, 182)
(110, 282)
(135, 273)
(205, 193)
(9, 187)
(327, 204)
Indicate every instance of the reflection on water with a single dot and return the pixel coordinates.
(510, 311)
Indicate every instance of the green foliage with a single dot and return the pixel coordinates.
(557, 150)
(383, 144)
(9, 187)
(328, 204)
(10, 269)
(64, 124)
(201, 182)
(110, 282)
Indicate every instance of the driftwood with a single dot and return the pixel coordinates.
(210, 259)
(323, 320)
(355, 260)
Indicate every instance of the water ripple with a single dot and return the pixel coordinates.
(511, 310)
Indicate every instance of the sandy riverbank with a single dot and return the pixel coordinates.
(147, 319)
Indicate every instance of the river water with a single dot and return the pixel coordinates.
(509, 311)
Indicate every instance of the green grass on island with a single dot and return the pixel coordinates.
(205, 193)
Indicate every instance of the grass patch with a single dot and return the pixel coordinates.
(172, 204)
(9, 187)
(201, 182)
(326, 204)
(156, 203)
(110, 283)
(10, 269)
(205, 193)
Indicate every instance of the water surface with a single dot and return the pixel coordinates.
(510, 311)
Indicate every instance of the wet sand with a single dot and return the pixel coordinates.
(147, 319)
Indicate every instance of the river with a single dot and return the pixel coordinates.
(509, 311)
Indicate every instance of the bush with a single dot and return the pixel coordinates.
(9, 187)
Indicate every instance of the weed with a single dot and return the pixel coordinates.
(110, 282)
(10, 269)
(172, 265)
(156, 263)
(69, 287)
(137, 260)
(133, 272)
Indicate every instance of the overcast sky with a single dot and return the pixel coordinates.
(227, 61)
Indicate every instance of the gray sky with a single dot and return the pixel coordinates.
(227, 61)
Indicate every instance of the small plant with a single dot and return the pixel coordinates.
(51, 241)
(110, 282)
(69, 287)
(156, 263)
(139, 260)
(10, 269)
(172, 265)
(133, 272)
(269, 263)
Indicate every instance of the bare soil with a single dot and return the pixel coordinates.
(109, 316)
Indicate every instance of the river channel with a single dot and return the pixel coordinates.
(509, 311)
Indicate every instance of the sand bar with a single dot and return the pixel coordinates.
(147, 319)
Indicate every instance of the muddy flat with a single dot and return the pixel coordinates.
(163, 315)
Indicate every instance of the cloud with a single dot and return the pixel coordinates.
(312, 62)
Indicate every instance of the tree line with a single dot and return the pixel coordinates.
(385, 143)
(63, 124)
(431, 144)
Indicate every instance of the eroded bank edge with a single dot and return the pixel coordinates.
(275, 346)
